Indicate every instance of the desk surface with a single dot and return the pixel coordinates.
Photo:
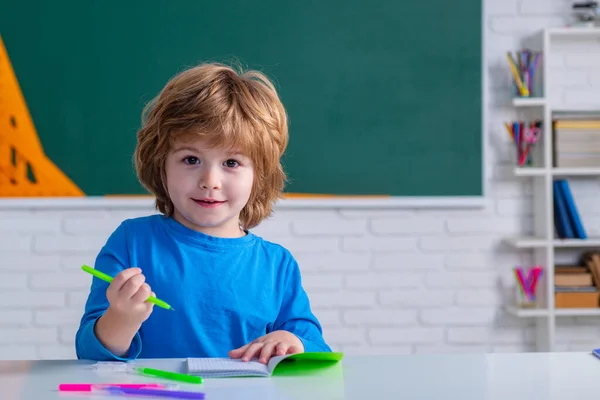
(471, 376)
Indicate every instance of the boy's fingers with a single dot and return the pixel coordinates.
(131, 287)
(142, 294)
(237, 353)
(266, 352)
(251, 351)
(294, 350)
(122, 277)
(282, 349)
(149, 306)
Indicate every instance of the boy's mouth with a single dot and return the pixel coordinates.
(208, 203)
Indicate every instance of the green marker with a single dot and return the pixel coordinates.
(169, 375)
(107, 278)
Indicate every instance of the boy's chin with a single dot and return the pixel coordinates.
(209, 224)
(213, 223)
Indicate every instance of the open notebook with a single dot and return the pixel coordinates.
(227, 367)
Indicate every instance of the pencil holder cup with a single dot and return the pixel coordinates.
(525, 88)
(525, 136)
(522, 300)
(524, 67)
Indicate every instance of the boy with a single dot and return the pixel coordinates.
(209, 151)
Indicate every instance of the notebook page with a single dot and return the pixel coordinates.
(274, 361)
(224, 367)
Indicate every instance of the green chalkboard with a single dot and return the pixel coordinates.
(384, 97)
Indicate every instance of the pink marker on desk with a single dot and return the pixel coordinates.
(88, 387)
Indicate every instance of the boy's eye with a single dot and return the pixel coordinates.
(191, 160)
(232, 163)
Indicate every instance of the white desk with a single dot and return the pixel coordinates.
(447, 377)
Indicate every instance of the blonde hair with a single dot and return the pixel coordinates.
(229, 109)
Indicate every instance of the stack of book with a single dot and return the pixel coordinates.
(576, 140)
(575, 286)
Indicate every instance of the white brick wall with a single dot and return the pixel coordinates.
(381, 281)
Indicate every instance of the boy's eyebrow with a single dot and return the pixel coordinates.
(188, 148)
(230, 153)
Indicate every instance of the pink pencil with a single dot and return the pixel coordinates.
(88, 387)
(537, 272)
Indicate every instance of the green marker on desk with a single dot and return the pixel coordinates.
(107, 278)
(169, 375)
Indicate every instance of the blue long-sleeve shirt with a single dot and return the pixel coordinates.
(226, 292)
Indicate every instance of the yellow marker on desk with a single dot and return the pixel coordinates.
(108, 278)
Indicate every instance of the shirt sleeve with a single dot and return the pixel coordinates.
(295, 315)
(112, 259)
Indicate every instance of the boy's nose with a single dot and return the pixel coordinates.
(210, 180)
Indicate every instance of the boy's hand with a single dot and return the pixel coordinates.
(127, 295)
(277, 343)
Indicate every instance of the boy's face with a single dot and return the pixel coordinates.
(208, 187)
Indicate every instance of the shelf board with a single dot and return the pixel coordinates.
(572, 312)
(529, 242)
(544, 312)
(529, 101)
(574, 31)
(527, 312)
(579, 171)
(541, 171)
(526, 242)
(529, 171)
(589, 242)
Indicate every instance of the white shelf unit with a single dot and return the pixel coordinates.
(543, 244)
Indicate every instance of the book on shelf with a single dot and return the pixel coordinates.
(576, 286)
(576, 140)
(573, 280)
(575, 289)
(567, 220)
